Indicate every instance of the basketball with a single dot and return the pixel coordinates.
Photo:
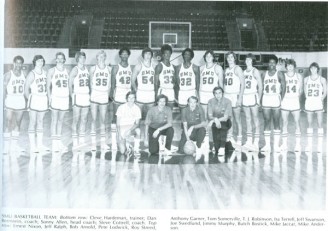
(189, 148)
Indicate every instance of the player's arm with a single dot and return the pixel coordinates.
(301, 85)
(282, 81)
(158, 70)
(219, 71)
(305, 86)
(258, 78)
(113, 81)
(240, 74)
(135, 73)
(92, 72)
(28, 82)
(177, 81)
(5, 84)
(72, 75)
(324, 88)
(197, 74)
(147, 123)
(109, 79)
(49, 77)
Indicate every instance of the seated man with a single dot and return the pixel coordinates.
(127, 122)
(219, 113)
(194, 123)
(159, 122)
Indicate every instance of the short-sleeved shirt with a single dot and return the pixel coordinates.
(156, 118)
(128, 115)
(194, 117)
(221, 109)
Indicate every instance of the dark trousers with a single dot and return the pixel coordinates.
(197, 135)
(220, 135)
(153, 142)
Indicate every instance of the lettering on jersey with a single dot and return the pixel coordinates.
(125, 72)
(185, 73)
(168, 71)
(248, 77)
(102, 74)
(229, 74)
(17, 81)
(40, 80)
(268, 81)
(83, 75)
(208, 73)
(291, 81)
(147, 72)
(313, 85)
(60, 76)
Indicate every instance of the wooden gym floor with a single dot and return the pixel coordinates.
(84, 180)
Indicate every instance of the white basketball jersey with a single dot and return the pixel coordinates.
(271, 84)
(16, 84)
(250, 82)
(39, 85)
(101, 79)
(81, 81)
(59, 83)
(231, 81)
(145, 78)
(292, 85)
(208, 79)
(187, 78)
(166, 77)
(314, 88)
(123, 77)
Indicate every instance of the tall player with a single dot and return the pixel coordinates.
(100, 89)
(234, 85)
(121, 78)
(251, 100)
(273, 92)
(187, 76)
(291, 104)
(38, 103)
(211, 76)
(165, 76)
(79, 90)
(15, 104)
(315, 89)
(143, 82)
(58, 94)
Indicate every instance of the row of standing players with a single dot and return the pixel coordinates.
(277, 93)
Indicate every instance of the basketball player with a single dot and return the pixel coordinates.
(211, 76)
(234, 85)
(58, 94)
(79, 90)
(187, 76)
(315, 89)
(15, 104)
(100, 89)
(291, 104)
(165, 76)
(273, 90)
(128, 117)
(38, 103)
(251, 100)
(143, 82)
(121, 78)
(193, 123)
(159, 122)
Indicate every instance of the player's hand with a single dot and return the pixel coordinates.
(238, 104)
(190, 131)
(126, 134)
(156, 133)
(146, 142)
